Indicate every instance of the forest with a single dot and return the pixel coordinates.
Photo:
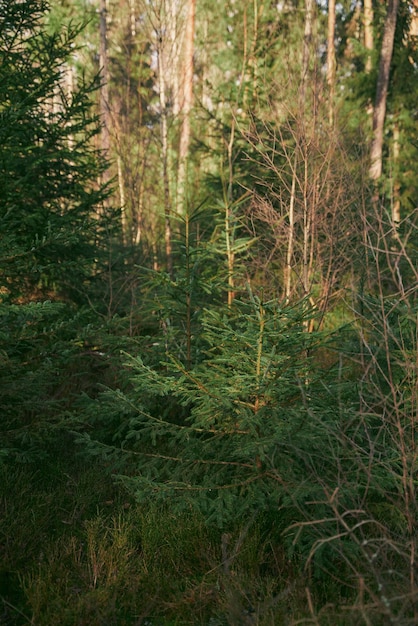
(208, 312)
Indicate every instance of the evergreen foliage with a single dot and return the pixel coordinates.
(48, 162)
(53, 236)
(217, 436)
(254, 459)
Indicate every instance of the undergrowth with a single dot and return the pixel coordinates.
(75, 550)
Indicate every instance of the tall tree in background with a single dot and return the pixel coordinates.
(307, 44)
(368, 32)
(232, 69)
(379, 112)
(331, 60)
(163, 55)
(186, 106)
(104, 85)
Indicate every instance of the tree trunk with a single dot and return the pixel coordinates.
(379, 112)
(291, 237)
(300, 146)
(104, 84)
(132, 18)
(122, 199)
(229, 220)
(368, 32)
(396, 201)
(253, 60)
(307, 43)
(331, 60)
(69, 84)
(174, 40)
(186, 107)
(164, 155)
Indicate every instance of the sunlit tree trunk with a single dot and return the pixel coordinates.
(122, 200)
(132, 17)
(379, 112)
(331, 60)
(296, 182)
(164, 156)
(104, 86)
(174, 41)
(186, 107)
(229, 220)
(139, 212)
(368, 32)
(413, 29)
(291, 236)
(307, 130)
(396, 201)
(307, 44)
(69, 85)
(253, 60)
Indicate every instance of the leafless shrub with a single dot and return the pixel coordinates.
(304, 207)
(365, 517)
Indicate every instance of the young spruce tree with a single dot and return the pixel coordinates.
(51, 231)
(216, 436)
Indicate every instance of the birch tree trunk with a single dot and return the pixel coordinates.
(291, 236)
(132, 17)
(396, 202)
(164, 143)
(379, 112)
(307, 42)
(186, 107)
(174, 27)
(368, 32)
(300, 140)
(331, 60)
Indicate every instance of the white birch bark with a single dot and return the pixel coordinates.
(186, 107)
(368, 32)
(164, 142)
(331, 60)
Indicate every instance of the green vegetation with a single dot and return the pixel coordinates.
(209, 395)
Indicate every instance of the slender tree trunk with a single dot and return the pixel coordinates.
(186, 108)
(396, 202)
(291, 237)
(368, 32)
(307, 43)
(379, 112)
(229, 220)
(132, 18)
(69, 84)
(244, 67)
(164, 142)
(139, 212)
(188, 295)
(300, 141)
(307, 133)
(104, 85)
(331, 60)
(253, 53)
(307, 216)
(122, 199)
(126, 214)
(173, 45)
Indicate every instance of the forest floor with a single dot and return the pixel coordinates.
(76, 550)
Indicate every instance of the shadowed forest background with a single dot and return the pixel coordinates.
(208, 312)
